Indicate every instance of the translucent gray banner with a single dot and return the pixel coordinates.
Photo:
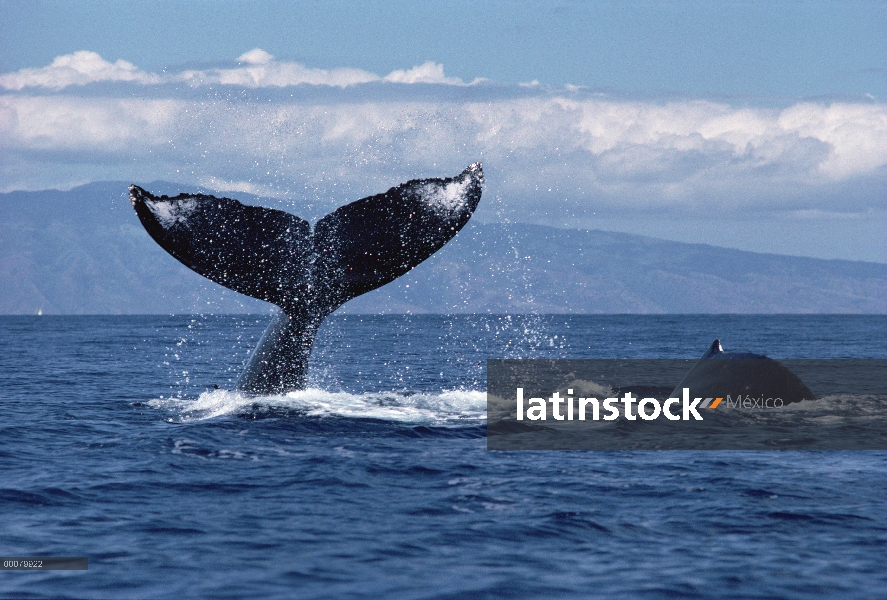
(709, 404)
(44, 563)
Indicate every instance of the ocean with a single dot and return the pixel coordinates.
(376, 481)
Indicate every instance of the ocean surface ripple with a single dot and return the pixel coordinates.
(376, 481)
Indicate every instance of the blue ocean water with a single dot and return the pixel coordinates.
(376, 481)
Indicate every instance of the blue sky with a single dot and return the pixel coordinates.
(783, 49)
(761, 126)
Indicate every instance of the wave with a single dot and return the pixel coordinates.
(446, 408)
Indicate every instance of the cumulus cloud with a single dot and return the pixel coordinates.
(428, 72)
(826, 141)
(259, 69)
(256, 56)
(100, 125)
(222, 185)
(79, 68)
(256, 69)
(611, 152)
(551, 155)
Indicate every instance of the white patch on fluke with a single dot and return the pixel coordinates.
(450, 197)
(169, 213)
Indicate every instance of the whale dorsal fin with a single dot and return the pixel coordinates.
(713, 350)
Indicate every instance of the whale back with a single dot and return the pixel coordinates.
(743, 374)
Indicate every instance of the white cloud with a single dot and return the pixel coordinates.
(857, 134)
(846, 139)
(256, 56)
(257, 69)
(220, 184)
(101, 125)
(549, 154)
(428, 72)
(79, 68)
(261, 70)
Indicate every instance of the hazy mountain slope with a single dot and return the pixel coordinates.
(84, 251)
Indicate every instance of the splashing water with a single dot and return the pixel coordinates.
(447, 408)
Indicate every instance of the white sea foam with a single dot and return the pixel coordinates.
(446, 408)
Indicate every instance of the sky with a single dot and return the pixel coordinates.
(752, 125)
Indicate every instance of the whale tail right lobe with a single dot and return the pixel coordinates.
(274, 256)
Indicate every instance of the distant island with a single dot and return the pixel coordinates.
(84, 252)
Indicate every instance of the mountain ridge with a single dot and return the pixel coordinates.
(83, 251)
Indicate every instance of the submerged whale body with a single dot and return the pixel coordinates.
(275, 256)
(719, 374)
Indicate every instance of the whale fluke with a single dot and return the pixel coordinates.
(275, 256)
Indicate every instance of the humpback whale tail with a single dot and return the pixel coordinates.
(275, 256)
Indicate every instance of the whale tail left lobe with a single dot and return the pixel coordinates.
(275, 256)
